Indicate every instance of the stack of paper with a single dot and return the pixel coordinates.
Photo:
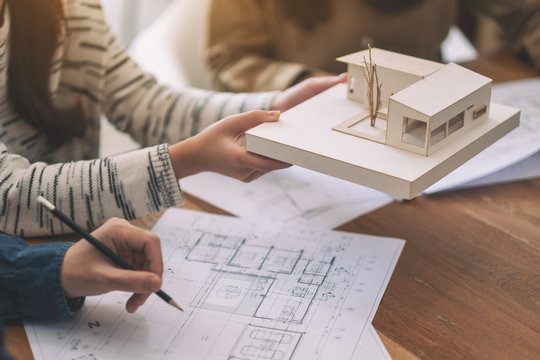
(514, 157)
(295, 196)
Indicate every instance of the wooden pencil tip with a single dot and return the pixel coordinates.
(173, 303)
(41, 200)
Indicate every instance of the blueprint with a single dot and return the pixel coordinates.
(250, 291)
(294, 196)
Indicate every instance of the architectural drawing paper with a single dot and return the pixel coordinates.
(250, 291)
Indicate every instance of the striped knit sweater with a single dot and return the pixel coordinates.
(94, 69)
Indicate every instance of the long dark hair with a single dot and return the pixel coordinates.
(35, 34)
(309, 13)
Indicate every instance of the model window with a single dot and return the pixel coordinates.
(414, 132)
(456, 122)
(479, 112)
(437, 134)
(352, 82)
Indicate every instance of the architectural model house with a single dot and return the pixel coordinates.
(402, 124)
(422, 105)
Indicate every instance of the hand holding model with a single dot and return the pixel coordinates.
(219, 147)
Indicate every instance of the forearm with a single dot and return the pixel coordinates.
(241, 50)
(154, 114)
(30, 285)
(519, 21)
(253, 73)
(185, 159)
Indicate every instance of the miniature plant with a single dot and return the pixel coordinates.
(374, 99)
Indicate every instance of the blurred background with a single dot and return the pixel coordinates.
(140, 24)
(128, 17)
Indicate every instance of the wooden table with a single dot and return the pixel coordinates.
(467, 285)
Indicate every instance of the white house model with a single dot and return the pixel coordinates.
(424, 104)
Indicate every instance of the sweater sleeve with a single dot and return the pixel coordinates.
(519, 21)
(31, 283)
(129, 185)
(152, 114)
(240, 52)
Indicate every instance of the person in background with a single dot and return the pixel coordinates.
(261, 45)
(60, 70)
(52, 280)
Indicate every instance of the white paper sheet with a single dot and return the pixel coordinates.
(518, 145)
(294, 196)
(371, 347)
(249, 290)
(523, 170)
(291, 196)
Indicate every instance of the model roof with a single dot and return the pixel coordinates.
(392, 60)
(441, 89)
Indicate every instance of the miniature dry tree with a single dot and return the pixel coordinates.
(374, 100)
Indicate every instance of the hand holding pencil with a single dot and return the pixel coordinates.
(125, 258)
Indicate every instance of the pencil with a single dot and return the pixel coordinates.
(98, 245)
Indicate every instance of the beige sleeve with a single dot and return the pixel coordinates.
(520, 24)
(239, 50)
(130, 185)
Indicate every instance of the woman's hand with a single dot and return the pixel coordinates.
(86, 271)
(219, 148)
(305, 90)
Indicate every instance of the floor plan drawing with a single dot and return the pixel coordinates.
(258, 342)
(250, 291)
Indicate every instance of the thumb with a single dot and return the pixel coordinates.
(242, 122)
(134, 281)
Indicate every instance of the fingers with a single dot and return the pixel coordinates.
(135, 301)
(142, 282)
(133, 244)
(262, 163)
(254, 175)
(86, 271)
(237, 125)
(242, 122)
(319, 84)
(150, 246)
(304, 90)
(250, 166)
(253, 170)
